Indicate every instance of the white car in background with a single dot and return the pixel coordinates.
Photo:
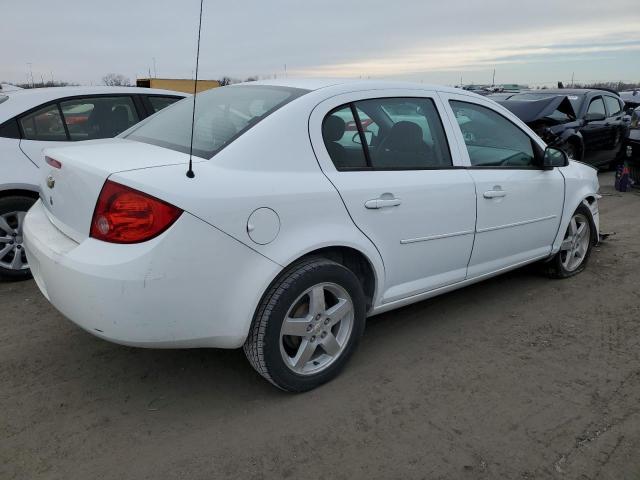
(32, 119)
(295, 228)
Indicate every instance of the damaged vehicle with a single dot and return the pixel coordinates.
(631, 100)
(589, 125)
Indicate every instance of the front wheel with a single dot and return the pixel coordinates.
(307, 325)
(576, 246)
(13, 260)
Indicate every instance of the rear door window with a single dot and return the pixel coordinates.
(98, 117)
(342, 139)
(386, 134)
(44, 124)
(407, 133)
(613, 105)
(158, 103)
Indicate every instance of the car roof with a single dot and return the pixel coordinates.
(350, 85)
(22, 100)
(564, 91)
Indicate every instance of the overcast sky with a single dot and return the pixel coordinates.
(533, 41)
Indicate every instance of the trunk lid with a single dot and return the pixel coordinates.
(69, 193)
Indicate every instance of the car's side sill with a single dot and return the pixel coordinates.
(385, 307)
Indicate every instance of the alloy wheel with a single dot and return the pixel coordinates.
(12, 254)
(317, 328)
(575, 245)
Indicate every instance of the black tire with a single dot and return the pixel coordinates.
(7, 205)
(263, 344)
(555, 267)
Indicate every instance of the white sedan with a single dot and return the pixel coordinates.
(33, 119)
(313, 206)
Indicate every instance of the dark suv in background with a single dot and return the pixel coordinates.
(588, 124)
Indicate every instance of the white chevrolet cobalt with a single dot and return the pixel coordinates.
(314, 205)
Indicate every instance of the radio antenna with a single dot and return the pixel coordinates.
(190, 173)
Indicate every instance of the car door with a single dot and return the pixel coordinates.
(617, 127)
(519, 205)
(595, 132)
(41, 128)
(76, 119)
(389, 158)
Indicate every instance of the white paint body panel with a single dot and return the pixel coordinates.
(20, 160)
(198, 284)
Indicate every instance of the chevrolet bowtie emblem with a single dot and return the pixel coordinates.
(51, 182)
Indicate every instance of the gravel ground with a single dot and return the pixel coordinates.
(519, 377)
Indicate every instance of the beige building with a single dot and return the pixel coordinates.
(176, 84)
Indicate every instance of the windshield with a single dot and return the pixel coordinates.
(221, 115)
(576, 100)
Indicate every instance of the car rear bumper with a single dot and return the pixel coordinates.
(193, 286)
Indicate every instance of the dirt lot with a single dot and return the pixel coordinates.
(519, 377)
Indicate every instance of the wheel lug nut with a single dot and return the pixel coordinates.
(324, 334)
(313, 338)
(318, 317)
(326, 321)
(309, 328)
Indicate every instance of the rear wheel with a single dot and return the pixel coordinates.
(576, 246)
(13, 260)
(307, 325)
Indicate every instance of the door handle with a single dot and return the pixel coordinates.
(382, 203)
(494, 193)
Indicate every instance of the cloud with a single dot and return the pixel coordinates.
(488, 50)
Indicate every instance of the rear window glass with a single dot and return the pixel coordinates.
(221, 115)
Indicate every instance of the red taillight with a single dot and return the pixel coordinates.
(53, 162)
(125, 215)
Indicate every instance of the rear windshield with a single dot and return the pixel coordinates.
(576, 100)
(221, 115)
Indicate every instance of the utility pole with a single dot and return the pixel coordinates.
(572, 76)
(30, 74)
(493, 80)
(155, 72)
(285, 70)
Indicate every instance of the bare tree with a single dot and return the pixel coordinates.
(115, 80)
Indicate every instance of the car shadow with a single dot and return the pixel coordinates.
(157, 380)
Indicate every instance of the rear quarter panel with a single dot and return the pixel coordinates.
(273, 166)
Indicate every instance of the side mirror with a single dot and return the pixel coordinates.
(595, 117)
(554, 157)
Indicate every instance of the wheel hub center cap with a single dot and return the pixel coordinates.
(318, 327)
